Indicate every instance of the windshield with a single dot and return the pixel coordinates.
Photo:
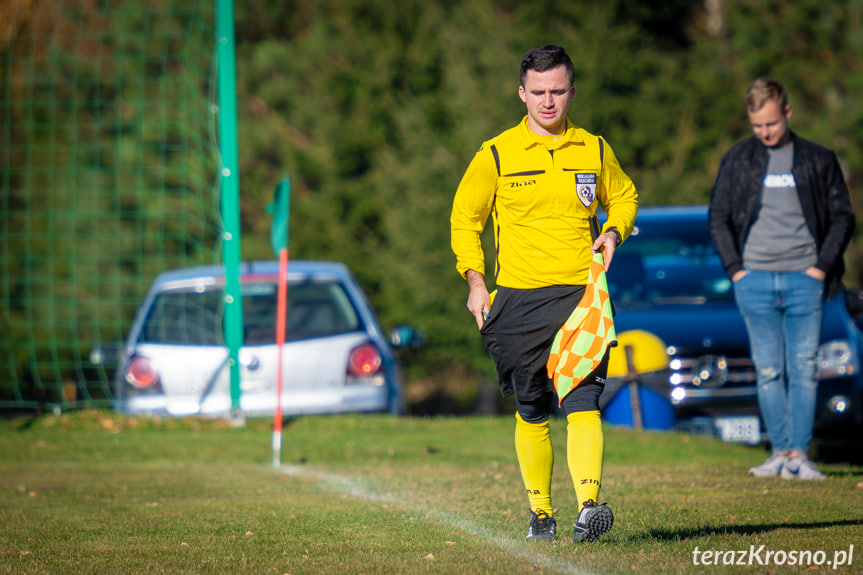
(660, 264)
(195, 316)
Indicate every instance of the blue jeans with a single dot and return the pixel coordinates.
(782, 311)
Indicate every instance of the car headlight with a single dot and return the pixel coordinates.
(836, 359)
(710, 371)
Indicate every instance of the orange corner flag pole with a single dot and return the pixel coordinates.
(281, 315)
(279, 234)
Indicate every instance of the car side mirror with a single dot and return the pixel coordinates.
(106, 354)
(406, 337)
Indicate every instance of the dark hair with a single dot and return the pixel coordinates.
(544, 58)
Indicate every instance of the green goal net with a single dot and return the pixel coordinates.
(108, 176)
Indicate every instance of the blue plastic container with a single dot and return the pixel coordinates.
(656, 410)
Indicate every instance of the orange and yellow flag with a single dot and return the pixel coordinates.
(579, 346)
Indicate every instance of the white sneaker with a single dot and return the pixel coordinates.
(800, 467)
(770, 468)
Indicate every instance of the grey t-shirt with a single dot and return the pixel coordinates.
(779, 239)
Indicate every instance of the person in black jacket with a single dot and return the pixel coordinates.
(781, 219)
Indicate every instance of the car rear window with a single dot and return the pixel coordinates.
(194, 316)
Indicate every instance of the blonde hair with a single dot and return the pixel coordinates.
(764, 89)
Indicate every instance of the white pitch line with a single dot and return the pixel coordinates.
(354, 489)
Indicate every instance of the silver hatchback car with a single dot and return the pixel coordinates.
(335, 359)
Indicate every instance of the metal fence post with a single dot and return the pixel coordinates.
(230, 194)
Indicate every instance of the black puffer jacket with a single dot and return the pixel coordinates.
(736, 201)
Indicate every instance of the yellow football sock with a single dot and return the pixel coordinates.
(584, 450)
(536, 460)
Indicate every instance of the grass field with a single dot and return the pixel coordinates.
(93, 492)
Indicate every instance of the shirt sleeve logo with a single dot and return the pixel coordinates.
(585, 188)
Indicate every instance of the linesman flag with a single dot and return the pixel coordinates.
(579, 346)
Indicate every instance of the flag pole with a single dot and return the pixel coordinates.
(281, 316)
(594, 227)
(279, 238)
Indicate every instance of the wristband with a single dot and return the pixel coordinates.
(616, 233)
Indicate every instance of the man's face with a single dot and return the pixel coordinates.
(547, 96)
(770, 124)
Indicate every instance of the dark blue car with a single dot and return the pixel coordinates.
(667, 279)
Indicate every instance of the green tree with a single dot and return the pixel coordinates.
(374, 109)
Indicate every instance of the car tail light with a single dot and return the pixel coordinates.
(141, 373)
(364, 360)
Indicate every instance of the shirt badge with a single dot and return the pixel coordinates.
(585, 187)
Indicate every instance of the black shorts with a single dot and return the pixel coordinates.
(585, 397)
(518, 334)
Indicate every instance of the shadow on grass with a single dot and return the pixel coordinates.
(28, 422)
(683, 534)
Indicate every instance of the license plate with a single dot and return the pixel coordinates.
(739, 429)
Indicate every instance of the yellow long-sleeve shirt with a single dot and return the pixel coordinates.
(540, 192)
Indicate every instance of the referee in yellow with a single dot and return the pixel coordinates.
(540, 181)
